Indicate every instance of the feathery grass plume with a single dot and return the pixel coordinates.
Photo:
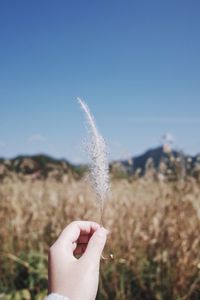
(97, 152)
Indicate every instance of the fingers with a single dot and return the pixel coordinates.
(76, 232)
(81, 245)
(83, 239)
(95, 246)
(80, 249)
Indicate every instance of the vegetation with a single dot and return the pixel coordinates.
(154, 223)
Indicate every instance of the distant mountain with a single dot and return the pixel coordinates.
(156, 156)
(43, 166)
(39, 166)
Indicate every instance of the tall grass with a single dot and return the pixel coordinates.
(155, 236)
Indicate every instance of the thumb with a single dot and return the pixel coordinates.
(96, 245)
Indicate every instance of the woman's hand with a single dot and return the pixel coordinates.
(75, 278)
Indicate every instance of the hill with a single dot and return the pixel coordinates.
(162, 160)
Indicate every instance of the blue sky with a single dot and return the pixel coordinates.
(136, 64)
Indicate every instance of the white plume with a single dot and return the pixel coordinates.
(98, 154)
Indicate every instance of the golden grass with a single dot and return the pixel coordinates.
(154, 236)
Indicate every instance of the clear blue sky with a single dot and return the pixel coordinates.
(136, 64)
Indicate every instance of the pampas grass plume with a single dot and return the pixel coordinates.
(97, 152)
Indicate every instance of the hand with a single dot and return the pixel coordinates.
(75, 278)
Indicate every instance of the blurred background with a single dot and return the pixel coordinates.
(137, 65)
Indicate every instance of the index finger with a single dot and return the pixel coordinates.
(72, 232)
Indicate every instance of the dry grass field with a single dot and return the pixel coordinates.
(154, 236)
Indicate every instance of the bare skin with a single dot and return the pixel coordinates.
(74, 260)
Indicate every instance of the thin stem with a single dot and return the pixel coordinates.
(102, 214)
(102, 209)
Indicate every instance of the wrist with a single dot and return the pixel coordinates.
(54, 296)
